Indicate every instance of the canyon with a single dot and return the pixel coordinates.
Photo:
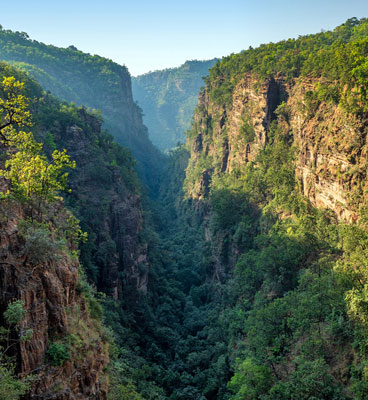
(231, 268)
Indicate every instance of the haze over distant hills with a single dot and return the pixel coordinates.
(168, 99)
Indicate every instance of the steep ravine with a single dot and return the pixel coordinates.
(249, 283)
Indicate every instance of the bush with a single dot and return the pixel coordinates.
(40, 246)
(58, 353)
(15, 312)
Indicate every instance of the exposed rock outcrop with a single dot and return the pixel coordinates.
(330, 144)
(107, 205)
(47, 283)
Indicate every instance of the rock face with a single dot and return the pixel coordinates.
(56, 310)
(331, 153)
(108, 206)
(330, 144)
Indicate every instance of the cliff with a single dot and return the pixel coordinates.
(35, 269)
(106, 191)
(330, 145)
(277, 173)
(328, 135)
(106, 197)
(68, 351)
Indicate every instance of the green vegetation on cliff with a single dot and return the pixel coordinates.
(39, 248)
(293, 276)
(338, 56)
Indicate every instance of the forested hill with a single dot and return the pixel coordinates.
(168, 99)
(88, 80)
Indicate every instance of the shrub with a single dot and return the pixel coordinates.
(15, 313)
(58, 353)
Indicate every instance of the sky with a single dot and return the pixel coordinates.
(150, 35)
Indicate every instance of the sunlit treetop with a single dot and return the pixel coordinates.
(31, 173)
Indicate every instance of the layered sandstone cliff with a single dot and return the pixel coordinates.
(330, 143)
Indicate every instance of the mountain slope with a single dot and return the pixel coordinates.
(168, 99)
(87, 80)
(51, 329)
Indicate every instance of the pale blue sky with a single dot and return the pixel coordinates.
(148, 35)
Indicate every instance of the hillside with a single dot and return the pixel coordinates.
(88, 80)
(168, 99)
(51, 332)
(278, 153)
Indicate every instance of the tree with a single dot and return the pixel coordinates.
(11, 388)
(31, 174)
(13, 112)
(250, 380)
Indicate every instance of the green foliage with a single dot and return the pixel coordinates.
(310, 380)
(246, 131)
(40, 245)
(11, 387)
(338, 57)
(14, 316)
(57, 353)
(250, 381)
(121, 392)
(15, 313)
(31, 174)
(14, 113)
(92, 297)
(360, 380)
(228, 207)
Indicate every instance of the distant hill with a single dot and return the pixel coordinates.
(88, 80)
(168, 99)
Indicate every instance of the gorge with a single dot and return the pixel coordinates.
(233, 267)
